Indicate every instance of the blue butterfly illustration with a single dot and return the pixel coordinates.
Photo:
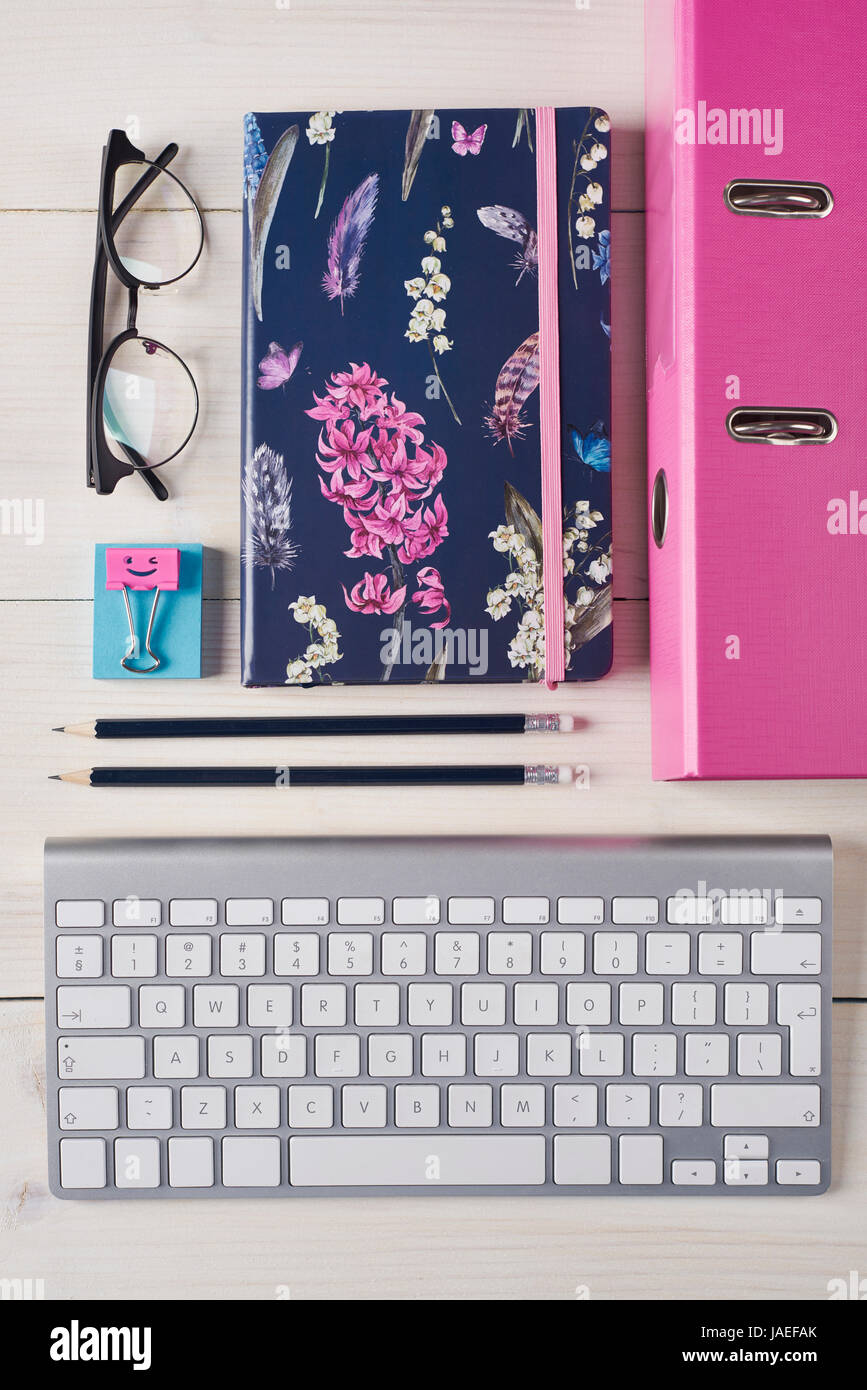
(592, 448)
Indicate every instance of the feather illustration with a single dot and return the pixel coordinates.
(506, 222)
(437, 669)
(267, 492)
(255, 159)
(593, 619)
(519, 377)
(524, 518)
(264, 204)
(346, 240)
(416, 134)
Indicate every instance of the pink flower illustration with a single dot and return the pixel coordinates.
(360, 387)
(430, 596)
(396, 467)
(372, 595)
(345, 449)
(352, 494)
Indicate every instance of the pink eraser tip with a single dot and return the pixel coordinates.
(157, 567)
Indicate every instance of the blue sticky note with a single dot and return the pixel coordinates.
(177, 633)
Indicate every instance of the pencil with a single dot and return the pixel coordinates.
(312, 726)
(444, 776)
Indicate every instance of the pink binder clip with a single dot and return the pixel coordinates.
(155, 568)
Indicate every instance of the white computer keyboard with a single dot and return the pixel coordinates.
(288, 1017)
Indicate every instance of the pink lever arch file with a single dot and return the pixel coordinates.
(756, 216)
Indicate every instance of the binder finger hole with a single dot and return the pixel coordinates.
(771, 426)
(778, 198)
(659, 508)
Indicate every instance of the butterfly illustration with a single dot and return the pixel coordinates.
(464, 144)
(509, 223)
(277, 367)
(592, 448)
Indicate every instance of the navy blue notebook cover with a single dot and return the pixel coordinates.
(391, 458)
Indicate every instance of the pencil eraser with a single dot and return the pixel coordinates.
(176, 638)
(567, 723)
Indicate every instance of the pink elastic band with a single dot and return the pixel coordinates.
(549, 396)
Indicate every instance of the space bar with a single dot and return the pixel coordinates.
(418, 1160)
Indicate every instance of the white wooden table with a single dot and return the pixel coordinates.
(187, 72)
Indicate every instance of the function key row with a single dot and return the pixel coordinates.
(680, 910)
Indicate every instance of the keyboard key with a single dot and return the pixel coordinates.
(600, 1054)
(403, 953)
(416, 912)
(456, 954)
(641, 1004)
(360, 912)
(685, 910)
(337, 1054)
(739, 1172)
(575, 1106)
(483, 1004)
(762, 1107)
(470, 1107)
(588, 1004)
(136, 1163)
(188, 956)
(580, 912)
(93, 1006)
(88, 1107)
(251, 1161)
(284, 1055)
(134, 956)
(740, 911)
(191, 1162)
(442, 1160)
(101, 1059)
(430, 1004)
(562, 953)
(249, 912)
(216, 1006)
(323, 1006)
(694, 1003)
(800, 1006)
(203, 1107)
(161, 1006)
(296, 955)
(510, 953)
(149, 1107)
(720, 953)
(257, 1107)
(471, 912)
(700, 1172)
(137, 912)
(654, 1054)
(615, 953)
(747, 1004)
(760, 1054)
(389, 1054)
(627, 1106)
(496, 1054)
(526, 911)
(537, 1004)
(794, 1171)
(667, 952)
(193, 912)
(230, 1054)
(364, 1107)
(377, 1006)
(80, 912)
(522, 1105)
(176, 1056)
(305, 912)
(634, 912)
(640, 1159)
(269, 1006)
(242, 955)
(707, 1054)
(582, 1160)
(416, 1107)
(311, 1107)
(82, 1163)
(79, 957)
(350, 953)
(745, 1146)
(443, 1054)
(786, 952)
(549, 1054)
(681, 1105)
(798, 912)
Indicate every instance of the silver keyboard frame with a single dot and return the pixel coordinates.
(281, 867)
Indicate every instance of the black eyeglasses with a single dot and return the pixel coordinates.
(142, 403)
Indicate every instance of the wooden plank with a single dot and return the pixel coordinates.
(428, 1248)
(187, 72)
(201, 321)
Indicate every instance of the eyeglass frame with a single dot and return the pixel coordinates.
(104, 468)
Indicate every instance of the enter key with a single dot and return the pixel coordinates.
(800, 1006)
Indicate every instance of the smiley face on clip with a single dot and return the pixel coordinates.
(154, 568)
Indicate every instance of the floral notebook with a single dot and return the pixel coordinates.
(426, 471)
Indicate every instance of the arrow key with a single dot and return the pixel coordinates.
(700, 1172)
(794, 1172)
(746, 1146)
